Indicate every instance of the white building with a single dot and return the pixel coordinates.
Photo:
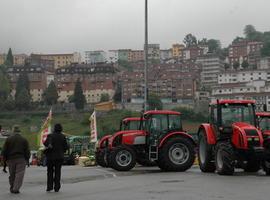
(153, 51)
(166, 54)
(264, 63)
(212, 65)
(93, 57)
(112, 56)
(243, 76)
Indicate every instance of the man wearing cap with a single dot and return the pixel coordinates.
(56, 145)
(16, 152)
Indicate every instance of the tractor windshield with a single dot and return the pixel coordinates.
(132, 125)
(264, 123)
(231, 113)
(164, 123)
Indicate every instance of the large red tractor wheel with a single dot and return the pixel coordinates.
(101, 158)
(122, 158)
(177, 154)
(224, 158)
(205, 154)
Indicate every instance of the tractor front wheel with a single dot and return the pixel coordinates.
(224, 158)
(205, 154)
(101, 158)
(122, 158)
(266, 167)
(177, 154)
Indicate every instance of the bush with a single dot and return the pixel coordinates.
(190, 115)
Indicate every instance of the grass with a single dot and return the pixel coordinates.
(73, 123)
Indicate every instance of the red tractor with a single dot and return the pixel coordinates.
(231, 139)
(161, 140)
(130, 123)
(263, 120)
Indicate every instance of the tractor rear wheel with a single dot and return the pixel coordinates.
(122, 158)
(266, 167)
(101, 159)
(205, 154)
(177, 154)
(253, 165)
(224, 158)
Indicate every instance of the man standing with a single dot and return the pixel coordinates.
(16, 153)
(56, 145)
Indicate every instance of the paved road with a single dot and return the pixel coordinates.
(141, 184)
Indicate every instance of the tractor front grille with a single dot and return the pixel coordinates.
(251, 132)
(253, 143)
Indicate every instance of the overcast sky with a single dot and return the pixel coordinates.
(59, 26)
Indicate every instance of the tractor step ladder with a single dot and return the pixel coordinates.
(153, 152)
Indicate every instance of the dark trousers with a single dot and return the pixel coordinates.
(54, 174)
(16, 169)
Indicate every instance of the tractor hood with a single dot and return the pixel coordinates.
(126, 136)
(243, 125)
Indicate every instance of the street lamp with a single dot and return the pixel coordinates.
(146, 57)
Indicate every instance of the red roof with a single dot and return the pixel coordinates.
(231, 101)
(131, 119)
(161, 112)
(263, 114)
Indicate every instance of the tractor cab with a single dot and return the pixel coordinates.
(161, 123)
(263, 121)
(131, 123)
(224, 114)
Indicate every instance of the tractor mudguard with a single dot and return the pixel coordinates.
(210, 133)
(102, 140)
(170, 135)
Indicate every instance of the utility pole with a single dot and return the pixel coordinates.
(146, 58)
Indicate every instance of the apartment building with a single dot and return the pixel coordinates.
(177, 50)
(171, 82)
(96, 79)
(18, 59)
(61, 60)
(92, 57)
(37, 80)
(212, 65)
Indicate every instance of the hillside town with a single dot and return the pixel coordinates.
(187, 73)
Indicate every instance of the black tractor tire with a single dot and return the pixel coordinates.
(253, 165)
(100, 158)
(122, 158)
(205, 154)
(224, 158)
(146, 163)
(170, 151)
(266, 167)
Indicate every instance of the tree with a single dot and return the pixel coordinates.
(4, 86)
(79, 98)
(249, 31)
(9, 104)
(22, 83)
(22, 95)
(50, 95)
(9, 58)
(214, 45)
(23, 100)
(154, 102)
(190, 40)
(226, 66)
(118, 93)
(265, 51)
(238, 39)
(236, 65)
(245, 64)
(203, 41)
(104, 97)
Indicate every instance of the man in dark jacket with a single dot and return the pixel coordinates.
(16, 153)
(56, 145)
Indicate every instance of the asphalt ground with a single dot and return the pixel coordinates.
(140, 184)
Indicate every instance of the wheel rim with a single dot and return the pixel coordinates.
(219, 159)
(179, 153)
(267, 164)
(202, 150)
(123, 158)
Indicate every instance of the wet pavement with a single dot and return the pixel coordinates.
(140, 184)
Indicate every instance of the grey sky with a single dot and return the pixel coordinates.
(56, 26)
